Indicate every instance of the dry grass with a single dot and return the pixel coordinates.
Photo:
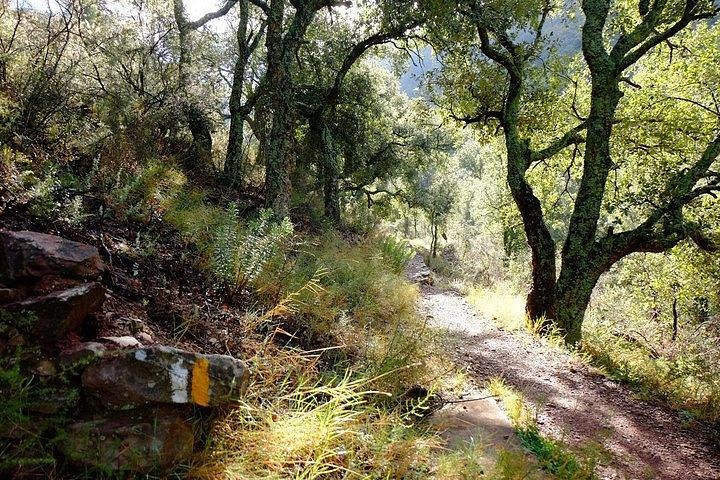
(501, 303)
(339, 411)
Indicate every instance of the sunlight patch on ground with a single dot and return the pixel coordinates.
(501, 303)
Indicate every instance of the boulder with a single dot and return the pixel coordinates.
(138, 441)
(61, 312)
(154, 375)
(81, 355)
(418, 272)
(32, 255)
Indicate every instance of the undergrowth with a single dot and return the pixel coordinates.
(344, 368)
(335, 344)
(683, 372)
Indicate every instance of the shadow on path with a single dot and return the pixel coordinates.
(574, 402)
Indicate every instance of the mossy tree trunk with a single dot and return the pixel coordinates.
(331, 170)
(196, 117)
(247, 42)
(587, 253)
(282, 46)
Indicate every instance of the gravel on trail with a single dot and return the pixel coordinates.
(576, 403)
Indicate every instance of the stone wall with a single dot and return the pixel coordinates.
(108, 403)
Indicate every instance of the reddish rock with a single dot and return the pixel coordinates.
(153, 375)
(138, 441)
(32, 255)
(61, 312)
(82, 354)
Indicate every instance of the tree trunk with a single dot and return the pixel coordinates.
(279, 160)
(330, 173)
(433, 237)
(542, 245)
(572, 297)
(197, 120)
(233, 168)
(280, 146)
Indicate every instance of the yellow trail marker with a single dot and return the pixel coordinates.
(200, 390)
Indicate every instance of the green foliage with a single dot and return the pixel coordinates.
(396, 252)
(140, 194)
(239, 256)
(554, 457)
(26, 439)
(14, 388)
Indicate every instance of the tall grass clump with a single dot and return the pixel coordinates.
(313, 427)
(357, 301)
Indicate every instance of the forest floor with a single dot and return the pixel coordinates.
(574, 402)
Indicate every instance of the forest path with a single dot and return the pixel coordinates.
(574, 402)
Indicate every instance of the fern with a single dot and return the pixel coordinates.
(239, 258)
(292, 302)
(225, 247)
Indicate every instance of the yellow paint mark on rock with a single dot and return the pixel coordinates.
(200, 390)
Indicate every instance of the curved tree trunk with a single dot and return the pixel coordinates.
(542, 246)
(330, 173)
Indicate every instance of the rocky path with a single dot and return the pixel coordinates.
(574, 402)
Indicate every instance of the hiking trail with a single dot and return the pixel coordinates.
(574, 402)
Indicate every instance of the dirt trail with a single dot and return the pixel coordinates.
(574, 402)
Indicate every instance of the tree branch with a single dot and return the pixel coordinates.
(194, 25)
(261, 5)
(571, 137)
(360, 48)
(637, 51)
(665, 225)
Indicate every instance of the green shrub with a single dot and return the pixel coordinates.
(240, 254)
(139, 194)
(396, 252)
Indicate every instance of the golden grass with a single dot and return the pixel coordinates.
(500, 303)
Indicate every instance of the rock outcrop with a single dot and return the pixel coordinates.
(32, 255)
(138, 441)
(116, 404)
(62, 312)
(418, 272)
